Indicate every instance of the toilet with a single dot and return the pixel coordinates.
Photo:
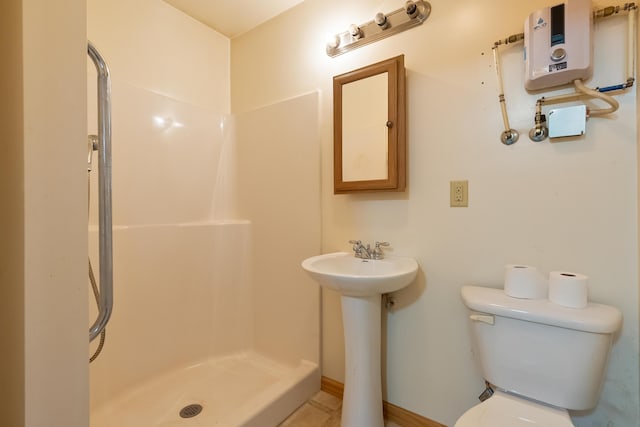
(541, 358)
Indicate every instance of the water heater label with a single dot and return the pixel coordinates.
(556, 67)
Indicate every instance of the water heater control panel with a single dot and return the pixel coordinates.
(558, 44)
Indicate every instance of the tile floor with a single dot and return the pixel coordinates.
(322, 410)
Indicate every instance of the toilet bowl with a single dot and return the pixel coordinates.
(505, 410)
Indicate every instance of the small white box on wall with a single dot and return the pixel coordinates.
(570, 121)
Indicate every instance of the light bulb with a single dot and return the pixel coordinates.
(355, 32)
(411, 8)
(332, 40)
(381, 20)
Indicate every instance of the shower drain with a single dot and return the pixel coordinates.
(190, 411)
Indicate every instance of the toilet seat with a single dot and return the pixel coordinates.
(506, 410)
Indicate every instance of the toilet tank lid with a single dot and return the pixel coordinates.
(596, 318)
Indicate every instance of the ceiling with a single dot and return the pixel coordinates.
(233, 17)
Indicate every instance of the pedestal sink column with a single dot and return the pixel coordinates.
(361, 283)
(362, 401)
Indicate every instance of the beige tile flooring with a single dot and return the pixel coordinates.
(322, 410)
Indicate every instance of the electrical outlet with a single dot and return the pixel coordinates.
(459, 194)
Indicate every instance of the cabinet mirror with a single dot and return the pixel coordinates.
(369, 148)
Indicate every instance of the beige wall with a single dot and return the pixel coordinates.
(11, 218)
(44, 370)
(638, 162)
(55, 287)
(569, 205)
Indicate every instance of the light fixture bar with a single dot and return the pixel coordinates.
(413, 13)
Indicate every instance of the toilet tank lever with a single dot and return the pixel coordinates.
(484, 318)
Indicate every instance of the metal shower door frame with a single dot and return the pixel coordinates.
(105, 239)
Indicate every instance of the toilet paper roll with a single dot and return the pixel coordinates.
(568, 289)
(524, 281)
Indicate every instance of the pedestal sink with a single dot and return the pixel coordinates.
(361, 283)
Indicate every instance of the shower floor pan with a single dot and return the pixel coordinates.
(245, 390)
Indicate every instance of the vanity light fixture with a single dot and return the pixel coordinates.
(414, 13)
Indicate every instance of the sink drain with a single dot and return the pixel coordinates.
(190, 411)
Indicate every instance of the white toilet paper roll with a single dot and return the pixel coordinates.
(523, 281)
(568, 289)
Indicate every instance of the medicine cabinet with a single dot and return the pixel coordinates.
(369, 128)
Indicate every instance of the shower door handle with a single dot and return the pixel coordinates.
(105, 241)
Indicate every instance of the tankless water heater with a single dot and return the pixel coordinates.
(558, 44)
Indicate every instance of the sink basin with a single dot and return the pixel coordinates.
(343, 272)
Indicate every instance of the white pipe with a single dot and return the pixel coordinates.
(631, 43)
(503, 106)
(595, 94)
(567, 97)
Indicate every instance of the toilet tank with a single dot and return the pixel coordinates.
(541, 350)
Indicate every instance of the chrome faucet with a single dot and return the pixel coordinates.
(365, 252)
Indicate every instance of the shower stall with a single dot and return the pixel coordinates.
(213, 318)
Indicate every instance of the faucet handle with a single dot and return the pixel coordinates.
(357, 248)
(377, 251)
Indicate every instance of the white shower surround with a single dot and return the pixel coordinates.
(200, 294)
